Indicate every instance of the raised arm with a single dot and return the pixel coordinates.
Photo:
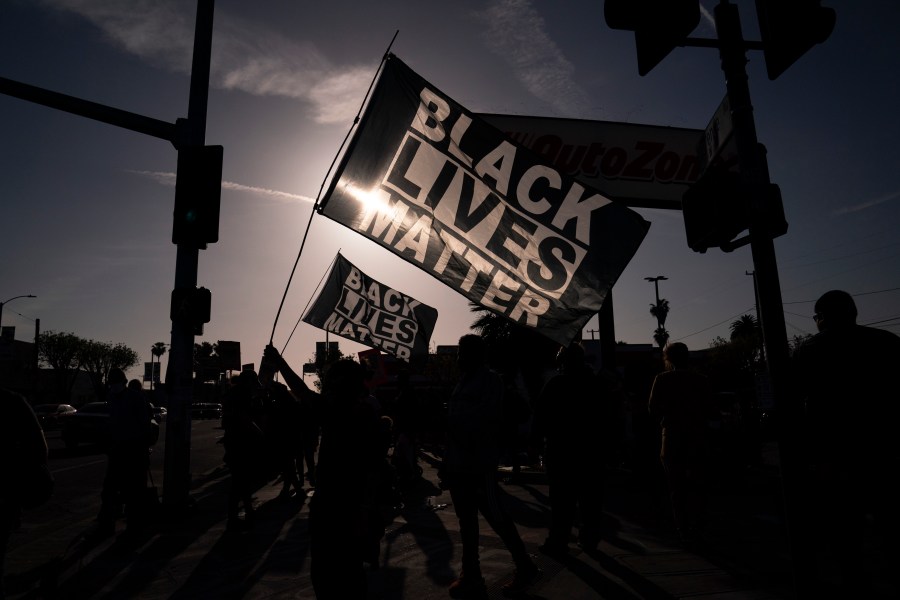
(293, 381)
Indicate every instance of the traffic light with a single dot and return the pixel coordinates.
(658, 25)
(715, 210)
(198, 192)
(718, 207)
(193, 305)
(789, 28)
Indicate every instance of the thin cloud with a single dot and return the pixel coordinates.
(246, 57)
(516, 32)
(230, 185)
(846, 210)
(168, 179)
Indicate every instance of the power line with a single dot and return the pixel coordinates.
(854, 295)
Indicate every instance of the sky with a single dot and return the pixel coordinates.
(86, 207)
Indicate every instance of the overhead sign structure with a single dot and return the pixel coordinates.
(229, 354)
(439, 187)
(354, 306)
(718, 148)
(641, 165)
(151, 371)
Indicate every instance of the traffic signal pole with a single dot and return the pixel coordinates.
(179, 374)
(755, 176)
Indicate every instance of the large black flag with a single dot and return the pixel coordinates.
(431, 182)
(353, 305)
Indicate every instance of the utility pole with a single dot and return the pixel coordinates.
(659, 320)
(762, 346)
(755, 176)
(179, 373)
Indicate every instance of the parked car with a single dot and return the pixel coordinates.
(49, 415)
(90, 425)
(206, 410)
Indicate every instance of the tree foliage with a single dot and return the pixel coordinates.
(60, 351)
(98, 358)
(661, 337)
(158, 349)
(67, 354)
(332, 355)
(207, 364)
(660, 311)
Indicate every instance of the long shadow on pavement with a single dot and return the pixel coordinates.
(232, 566)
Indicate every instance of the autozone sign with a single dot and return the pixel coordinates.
(640, 165)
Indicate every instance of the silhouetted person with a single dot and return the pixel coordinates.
(516, 415)
(244, 446)
(569, 422)
(846, 380)
(682, 403)
(351, 452)
(309, 442)
(469, 470)
(284, 432)
(130, 437)
(22, 446)
(406, 420)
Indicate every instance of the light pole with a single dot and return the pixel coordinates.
(656, 281)
(10, 300)
(658, 312)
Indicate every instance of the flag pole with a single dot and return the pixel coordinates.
(318, 198)
(315, 293)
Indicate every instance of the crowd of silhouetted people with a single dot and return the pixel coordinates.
(358, 453)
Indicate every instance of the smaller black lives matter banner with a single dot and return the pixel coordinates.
(355, 306)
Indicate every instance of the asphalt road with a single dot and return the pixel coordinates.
(79, 479)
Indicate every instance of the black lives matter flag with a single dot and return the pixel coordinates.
(431, 182)
(354, 306)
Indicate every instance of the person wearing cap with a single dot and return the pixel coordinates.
(845, 420)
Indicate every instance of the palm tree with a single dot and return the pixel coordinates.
(661, 336)
(158, 349)
(660, 311)
(745, 327)
(746, 333)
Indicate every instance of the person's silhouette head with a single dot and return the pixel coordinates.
(471, 353)
(571, 357)
(676, 356)
(345, 381)
(248, 380)
(116, 380)
(835, 308)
